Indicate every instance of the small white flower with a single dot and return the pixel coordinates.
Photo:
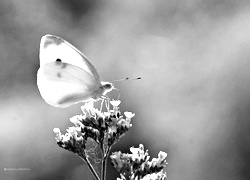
(75, 119)
(72, 131)
(56, 130)
(112, 129)
(58, 134)
(141, 147)
(137, 153)
(153, 176)
(106, 114)
(124, 123)
(80, 138)
(154, 162)
(162, 156)
(117, 157)
(134, 150)
(66, 138)
(129, 115)
(78, 129)
(115, 103)
(86, 108)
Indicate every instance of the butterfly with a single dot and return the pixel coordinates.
(66, 76)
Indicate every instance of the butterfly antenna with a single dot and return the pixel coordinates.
(125, 79)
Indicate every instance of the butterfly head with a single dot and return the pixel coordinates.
(106, 87)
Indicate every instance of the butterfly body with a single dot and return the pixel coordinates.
(66, 76)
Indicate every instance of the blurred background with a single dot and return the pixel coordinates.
(193, 101)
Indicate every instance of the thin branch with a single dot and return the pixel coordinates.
(91, 168)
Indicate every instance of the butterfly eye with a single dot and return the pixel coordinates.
(108, 86)
(58, 60)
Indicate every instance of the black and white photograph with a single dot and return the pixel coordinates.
(124, 90)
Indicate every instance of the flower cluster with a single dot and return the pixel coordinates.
(95, 131)
(105, 128)
(138, 166)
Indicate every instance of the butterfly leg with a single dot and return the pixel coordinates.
(107, 103)
(118, 93)
(106, 99)
(102, 104)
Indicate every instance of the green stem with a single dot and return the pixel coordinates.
(91, 168)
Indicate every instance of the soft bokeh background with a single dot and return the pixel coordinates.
(193, 101)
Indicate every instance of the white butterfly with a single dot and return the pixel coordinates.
(66, 76)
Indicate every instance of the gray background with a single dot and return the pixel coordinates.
(193, 101)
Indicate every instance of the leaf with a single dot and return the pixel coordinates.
(94, 155)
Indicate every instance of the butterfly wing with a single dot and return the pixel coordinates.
(62, 84)
(53, 48)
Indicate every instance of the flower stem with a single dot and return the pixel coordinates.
(104, 163)
(91, 168)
